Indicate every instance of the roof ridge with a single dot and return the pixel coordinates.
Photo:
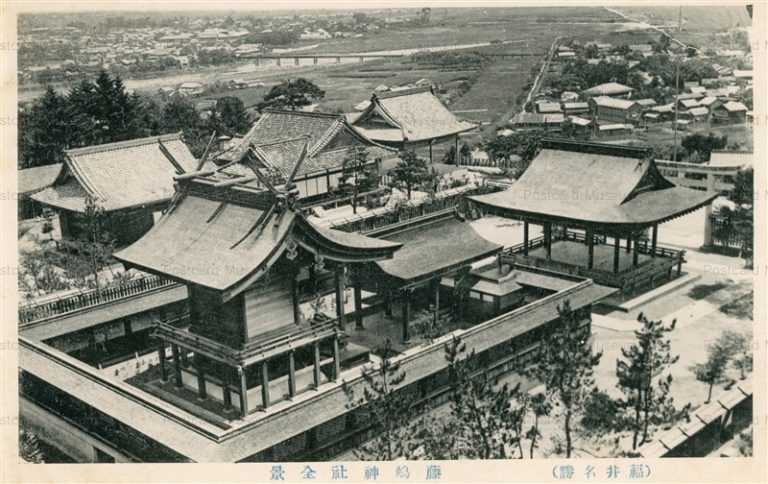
(282, 141)
(303, 113)
(404, 92)
(119, 145)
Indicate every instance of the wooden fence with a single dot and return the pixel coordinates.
(36, 311)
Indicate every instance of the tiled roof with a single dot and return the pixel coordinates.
(431, 248)
(598, 183)
(121, 175)
(549, 107)
(608, 89)
(605, 101)
(418, 113)
(646, 102)
(34, 179)
(734, 106)
(698, 111)
(218, 244)
(537, 118)
(279, 125)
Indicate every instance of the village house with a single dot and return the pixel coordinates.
(548, 122)
(132, 181)
(684, 104)
(610, 89)
(548, 107)
(571, 108)
(609, 110)
(190, 88)
(696, 115)
(730, 112)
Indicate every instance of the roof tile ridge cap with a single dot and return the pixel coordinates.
(303, 113)
(121, 145)
(327, 136)
(404, 92)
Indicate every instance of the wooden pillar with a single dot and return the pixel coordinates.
(636, 252)
(679, 263)
(338, 276)
(243, 391)
(295, 299)
(316, 370)
(430, 152)
(629, 243)
(456, 148)
(163, 369)
(388, 303)
(226, 394)
(436, 283)
(590, 249)
(176, 365)
(616, 250)
(358, 306)
(406, 313)
(525, 237)
(202, 394)
(548, 239)
(336, 359)
(265, 384)
(291, 374)
(654, 239)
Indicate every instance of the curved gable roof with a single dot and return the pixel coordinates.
(601, 184)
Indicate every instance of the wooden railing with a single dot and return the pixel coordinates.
(628, 279)
(381, 217)
(32, 312)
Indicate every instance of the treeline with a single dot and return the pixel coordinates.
(451, 59)
(102, 111)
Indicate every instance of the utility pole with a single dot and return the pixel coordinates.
(677, 87)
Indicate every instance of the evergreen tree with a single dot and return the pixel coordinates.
(646, 402)
(232, 116)
(358, 175)
(713, 370)
(292, 94)
(43, 131)
(386, 408)
(565, 366)
(411, 170)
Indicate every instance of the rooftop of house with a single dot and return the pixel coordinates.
(120, 175)
(596, 183)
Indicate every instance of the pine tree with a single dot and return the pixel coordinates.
(713, 370)
(411, 170)
(387, 408)
(565, 365)
(647, 402)
(358, 175)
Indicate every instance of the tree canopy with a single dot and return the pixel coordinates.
(292, 94)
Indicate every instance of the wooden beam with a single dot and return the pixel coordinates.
(317, 364)
(202, 394)
(193, 174)
(291, 374)
(338, 276)
(235, 181)
(163, 368)
(265, 384)
(243, 391)
(636, 252)
(406, 314)
(525, 237)
(358, 306)
(176, 366)
(336, 359)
